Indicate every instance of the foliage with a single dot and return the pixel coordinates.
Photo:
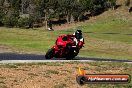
(1, 16)
(127, 2)
(23, 22)
(50, 9)
(10, 20)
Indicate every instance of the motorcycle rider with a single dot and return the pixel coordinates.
(78, 38)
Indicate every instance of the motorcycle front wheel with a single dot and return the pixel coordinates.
(50, 53)
(70, 56)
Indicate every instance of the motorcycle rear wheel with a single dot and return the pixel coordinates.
(50, 53)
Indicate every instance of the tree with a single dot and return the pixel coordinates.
(11, 19)
(127, 2)
(70, 10)
(113, 4)
(1, 16)
(67, 7)
(45, 8)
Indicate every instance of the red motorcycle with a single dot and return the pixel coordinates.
(65, 48)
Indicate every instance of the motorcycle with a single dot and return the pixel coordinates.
(64, 47)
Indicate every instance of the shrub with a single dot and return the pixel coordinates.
(1, 16)
(26, 22)
(10, 21)
(23, 22)
(127, 2)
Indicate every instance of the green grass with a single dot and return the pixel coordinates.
(8, 66)
(114, 30)
(99, 40)
(27, 39)
(110, 38)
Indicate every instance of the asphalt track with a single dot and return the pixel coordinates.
(28, 58)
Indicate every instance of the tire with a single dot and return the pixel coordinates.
(50, 53)
(81, 80)
(70, 57)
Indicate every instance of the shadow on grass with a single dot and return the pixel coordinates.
(109, 33)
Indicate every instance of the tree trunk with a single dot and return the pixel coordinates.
(46, 23)
(127, 2)
(71, 18)
(67, 18)
(78, 19)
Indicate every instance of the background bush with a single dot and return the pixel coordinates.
(1, 17)
(10, 21)
(23, 22)
(26, 22)
(70, 10)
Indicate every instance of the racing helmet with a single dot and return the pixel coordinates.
(78, 34)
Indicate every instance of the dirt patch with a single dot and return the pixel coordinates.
(10, 49)
(5, 49)
(62, 75)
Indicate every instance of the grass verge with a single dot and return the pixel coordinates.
(105, 39)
